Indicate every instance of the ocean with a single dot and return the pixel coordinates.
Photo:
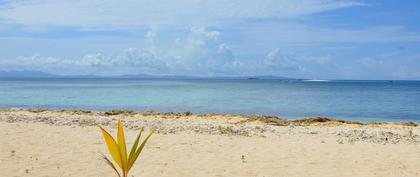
(352, 100)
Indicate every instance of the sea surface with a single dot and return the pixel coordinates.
(354, 100)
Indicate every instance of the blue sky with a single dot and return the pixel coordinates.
(320, 39)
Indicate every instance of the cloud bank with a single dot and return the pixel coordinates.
(199, 52)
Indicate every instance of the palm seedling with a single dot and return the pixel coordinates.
(118, 150)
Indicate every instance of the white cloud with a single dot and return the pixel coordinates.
(200, 52)
(129, 61)
(276, 60)
(129, 13)
(138, 58)
(91, 60)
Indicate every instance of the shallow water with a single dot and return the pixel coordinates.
(356, 100)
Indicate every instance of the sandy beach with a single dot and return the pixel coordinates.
(67, 143)
(215, 88)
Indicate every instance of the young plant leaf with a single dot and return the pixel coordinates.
(111, 164)
(138, 151)
(118, 150)
(134, 148)
(112, 147)
(121, 145)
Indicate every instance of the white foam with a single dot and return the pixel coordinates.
(316, 80)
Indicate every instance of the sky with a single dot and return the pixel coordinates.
(314, 39)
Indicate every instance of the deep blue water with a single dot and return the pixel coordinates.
(356, 100)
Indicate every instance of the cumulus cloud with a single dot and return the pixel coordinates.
(200, 52)
(100, 13)
(276, 60)
(137, 58)
(129, 61)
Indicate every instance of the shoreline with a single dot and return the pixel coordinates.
(268, 119)
(221, 124)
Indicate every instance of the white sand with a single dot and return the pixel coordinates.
(45, 150)
(38, 149)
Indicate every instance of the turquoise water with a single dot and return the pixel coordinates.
(356, 100)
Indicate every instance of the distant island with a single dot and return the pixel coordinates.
(25, 74)
(29, 74)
